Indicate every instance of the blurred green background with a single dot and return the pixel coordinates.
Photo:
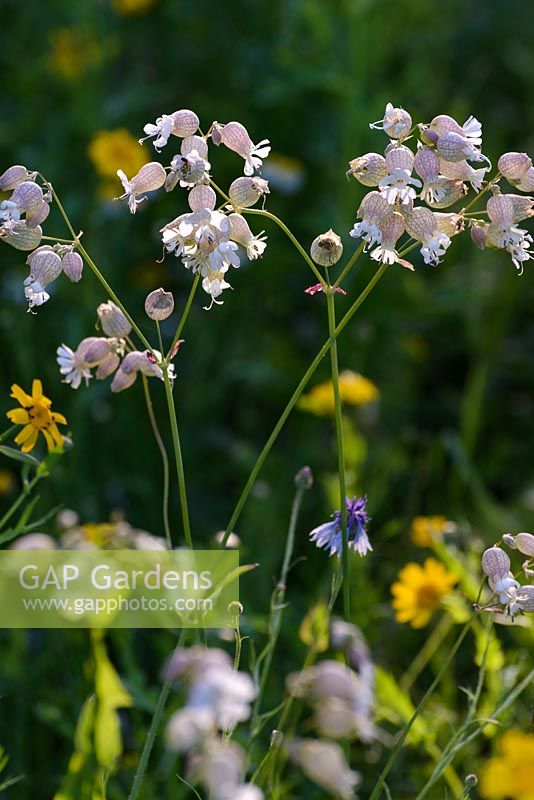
(450, 348)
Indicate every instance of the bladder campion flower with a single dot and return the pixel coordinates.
(37, 417)
(511, 773)
(425, 530)
(420, 590)
(329, 535)
(354, 389)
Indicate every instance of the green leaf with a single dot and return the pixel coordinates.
(396, 706)
(18, 455)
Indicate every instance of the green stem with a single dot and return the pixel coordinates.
(20, 499)
(164, 459)
(348, 266)
(477, 197)
(178, 458)
(340, 453)
(57, 240)
(375, 794)
(7, 433)
(293, 400)
(185, 314)
(427, 651)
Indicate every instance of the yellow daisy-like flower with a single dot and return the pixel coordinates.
(36, 417)
(354, 390)
(420, 590)
(132, 6)
(510, 775)
(425, 529)
(72, 52)
(113, 150)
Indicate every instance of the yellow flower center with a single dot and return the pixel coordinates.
(39, 416)
(428, 596)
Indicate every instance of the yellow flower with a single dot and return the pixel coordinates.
(419, 591)
(7, 481)
(354, 389)
(72, 52)
(36, 417)
(113, 150)
(425, 529)
(99, 534)
(510, 775)
(132, 6)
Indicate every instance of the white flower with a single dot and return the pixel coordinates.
(235, 136)
(434, 247)
(189, 169)
(396, 122)
(150, 177)
(74, 369)
(9, 211)
(34, 293)
(161, 130)
(397, 187)
(227, 695)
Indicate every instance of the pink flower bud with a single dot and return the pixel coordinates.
(525, 544)
(197, 143)
(500, 210)
(185, 123)
(526, 182)
(112, 320)
(443, 124)
(513, 166)
(399, 157)
(495, 562)
(22, 237)
(200, 197)
(426, 164)
(246, 191)
(122, 380)
(327, 249)
(45, 267)
(368, 169)
(478, 235)
(159, 304)
(11, 178)
(72, 264)
(38, 215)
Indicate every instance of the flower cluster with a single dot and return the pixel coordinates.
(102, 356)
(329, 534)
(441, 162)
(21, 217)
(206, 239)
(218, 698)
(513, 598)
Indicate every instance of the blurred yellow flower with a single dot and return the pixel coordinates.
(420, 590)
(72, 52)
(510, 775)
(99, 534)
(354, 389)
(36, 417)
(425, 529)
(7, 481)
(132, 6)
(113, 150)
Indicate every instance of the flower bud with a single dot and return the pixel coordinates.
(525, 544)
(197, 143)
(245, 192)
(122, 380)
(235, 136)
(72, 264)
(185, 123)
(23, 237)
(514, 165)
(150, 177)
(304, 478)
(509, 540)
(368, 169)
(112, 320)
(326, 249)
(470, 780)
(159, 305)
(428, 136)
(495, 562)
(45, 266)
(526, 182)
(11, 178)
(478, 235)
(277, 737)
(202, 197)
(235, 608)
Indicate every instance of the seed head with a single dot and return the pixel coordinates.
(326, 249)
(112, 320)
(159, 305)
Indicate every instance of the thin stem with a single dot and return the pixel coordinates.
(293, 400)
(160, 340)
(185, 314)
(334, 367)
(491, 182)
(259, 212)
(20, 499)
(375, 794)
(7, 433)
(348, 266)
(57, 240)
(97, 272)
(164, 459)
(178, 458)
(427, 651)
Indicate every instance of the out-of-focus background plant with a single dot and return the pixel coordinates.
(439, 383)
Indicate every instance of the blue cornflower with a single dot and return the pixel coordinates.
(329, 535)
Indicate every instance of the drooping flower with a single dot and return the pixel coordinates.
(398, 185)
(159, 131)
(354, 390)
(92, 352)
(188, 169)
(150, 177)
(396, 122)
(329, 534)
(37, 417)
(391, 229)
(510, 773)
(421, 225)
(373, 209)
(503, 234)
(235, 136)
(419, 591)
(325, 764)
